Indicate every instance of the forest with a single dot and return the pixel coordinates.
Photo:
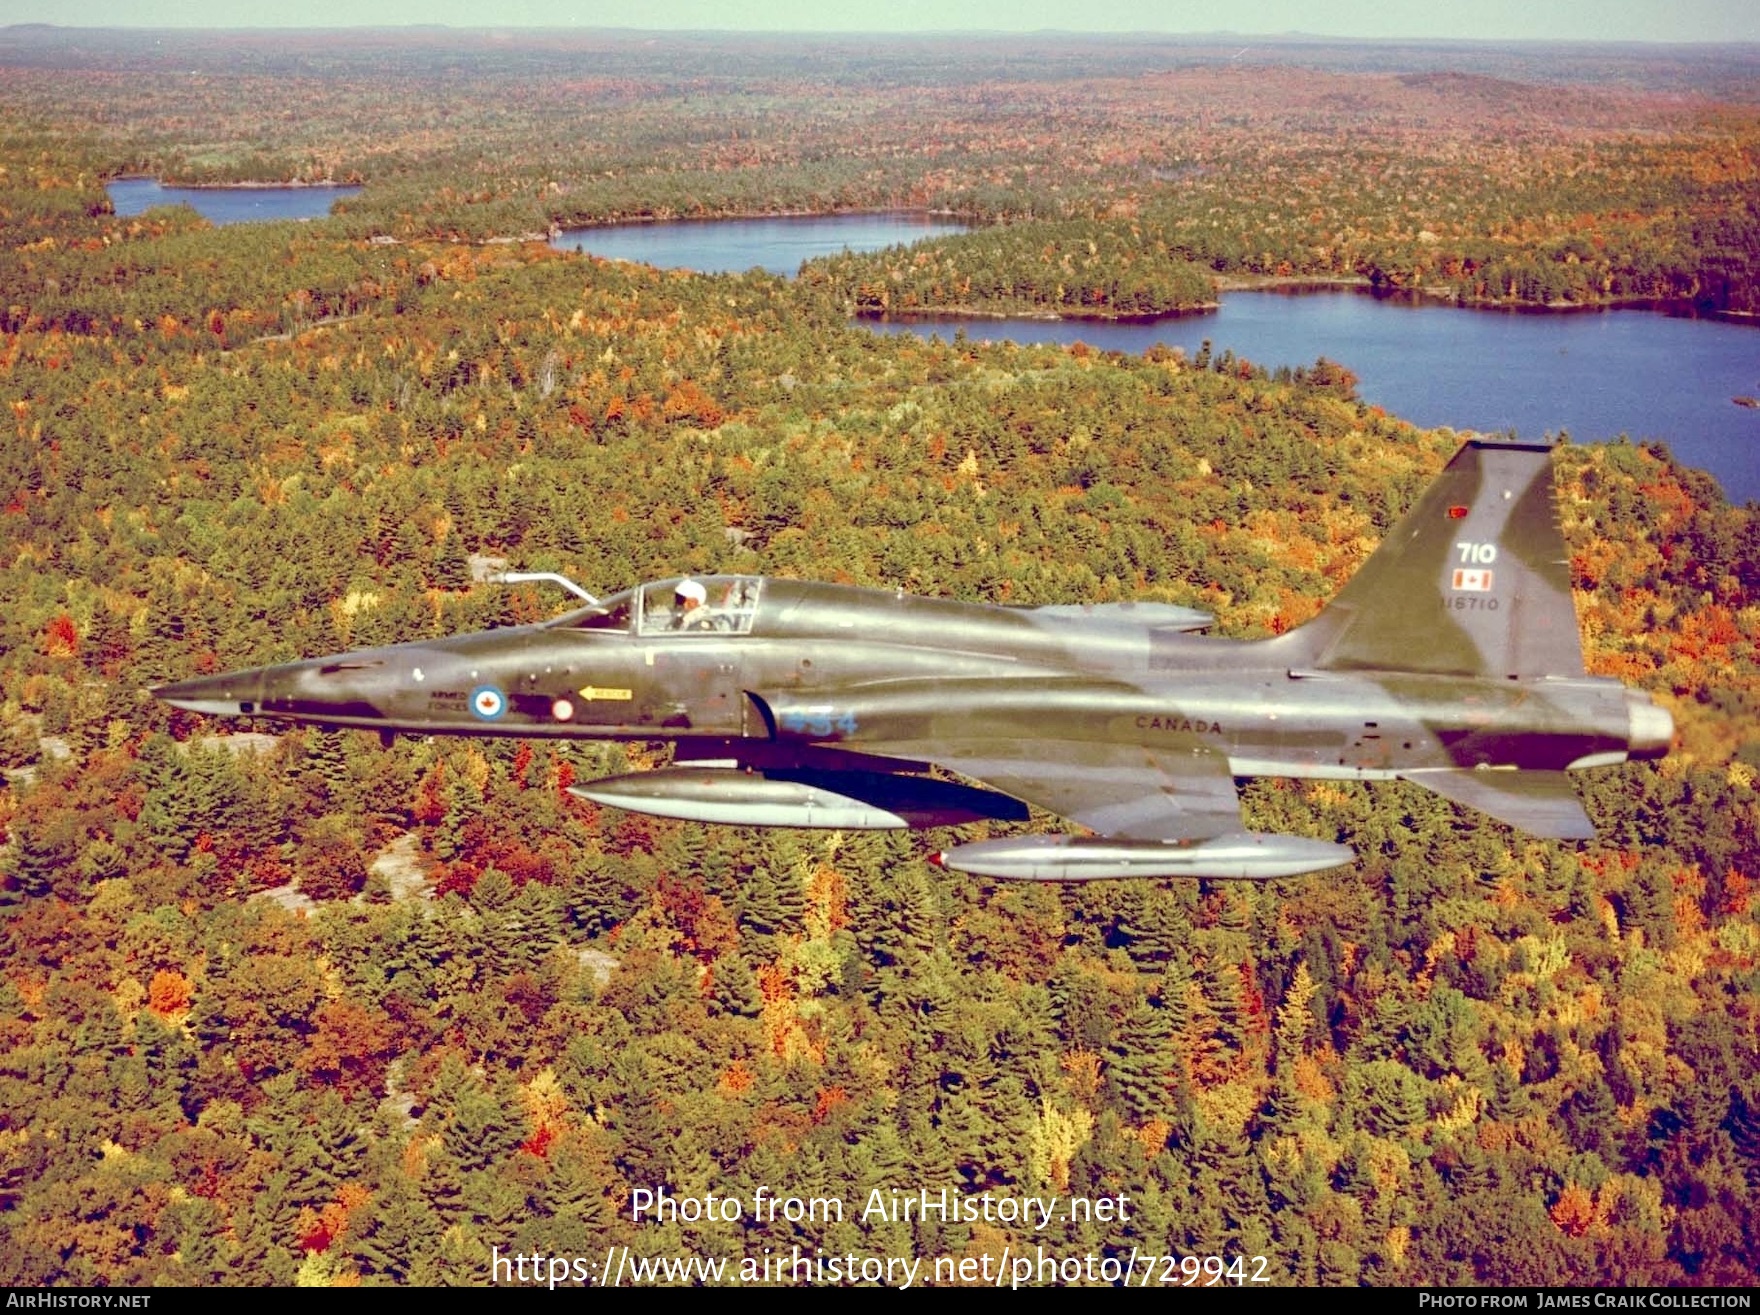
(1117, 177)
(296, 1007)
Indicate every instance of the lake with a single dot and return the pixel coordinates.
(732, 246)
(226, 205)
(1591, 374)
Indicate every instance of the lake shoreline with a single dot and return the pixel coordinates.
(251, 186)
(1297, 286)
(560, 229)
(1041, 316)
(224, 204)
(1446, 295)
(1288, 284)
(1594, 376)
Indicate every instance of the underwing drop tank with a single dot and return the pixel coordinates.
(1241, 856)
(801, 797)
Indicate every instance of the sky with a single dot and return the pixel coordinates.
(1550, 20)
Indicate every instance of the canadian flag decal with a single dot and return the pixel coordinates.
(1475, 582)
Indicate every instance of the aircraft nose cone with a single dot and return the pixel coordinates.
(236, 693)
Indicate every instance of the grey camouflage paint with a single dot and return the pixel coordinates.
(1452, 660)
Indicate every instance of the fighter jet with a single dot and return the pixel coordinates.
(1451, 660)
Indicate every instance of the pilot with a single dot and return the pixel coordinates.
(688, 612)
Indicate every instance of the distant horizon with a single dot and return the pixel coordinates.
(1217, 34)
(1692, 22)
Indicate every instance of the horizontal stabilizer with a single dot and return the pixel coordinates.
(1541, 803)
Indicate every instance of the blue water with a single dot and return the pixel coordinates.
(1592, 374)
(227, 205)
(732, 246)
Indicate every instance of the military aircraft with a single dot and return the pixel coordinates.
(1451, 660)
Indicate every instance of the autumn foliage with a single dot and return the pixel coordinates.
(293, 1005)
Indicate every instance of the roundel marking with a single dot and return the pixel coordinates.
(487, 702)
(562, 710)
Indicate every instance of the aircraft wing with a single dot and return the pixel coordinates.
(1124, 791)
(1540, 803)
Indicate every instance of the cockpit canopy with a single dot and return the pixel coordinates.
(684, 605)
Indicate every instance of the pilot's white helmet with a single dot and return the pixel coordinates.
(692, 591)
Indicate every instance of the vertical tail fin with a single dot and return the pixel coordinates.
(1473, 581)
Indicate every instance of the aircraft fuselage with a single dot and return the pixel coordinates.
(842, 666)
(1451, 660)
